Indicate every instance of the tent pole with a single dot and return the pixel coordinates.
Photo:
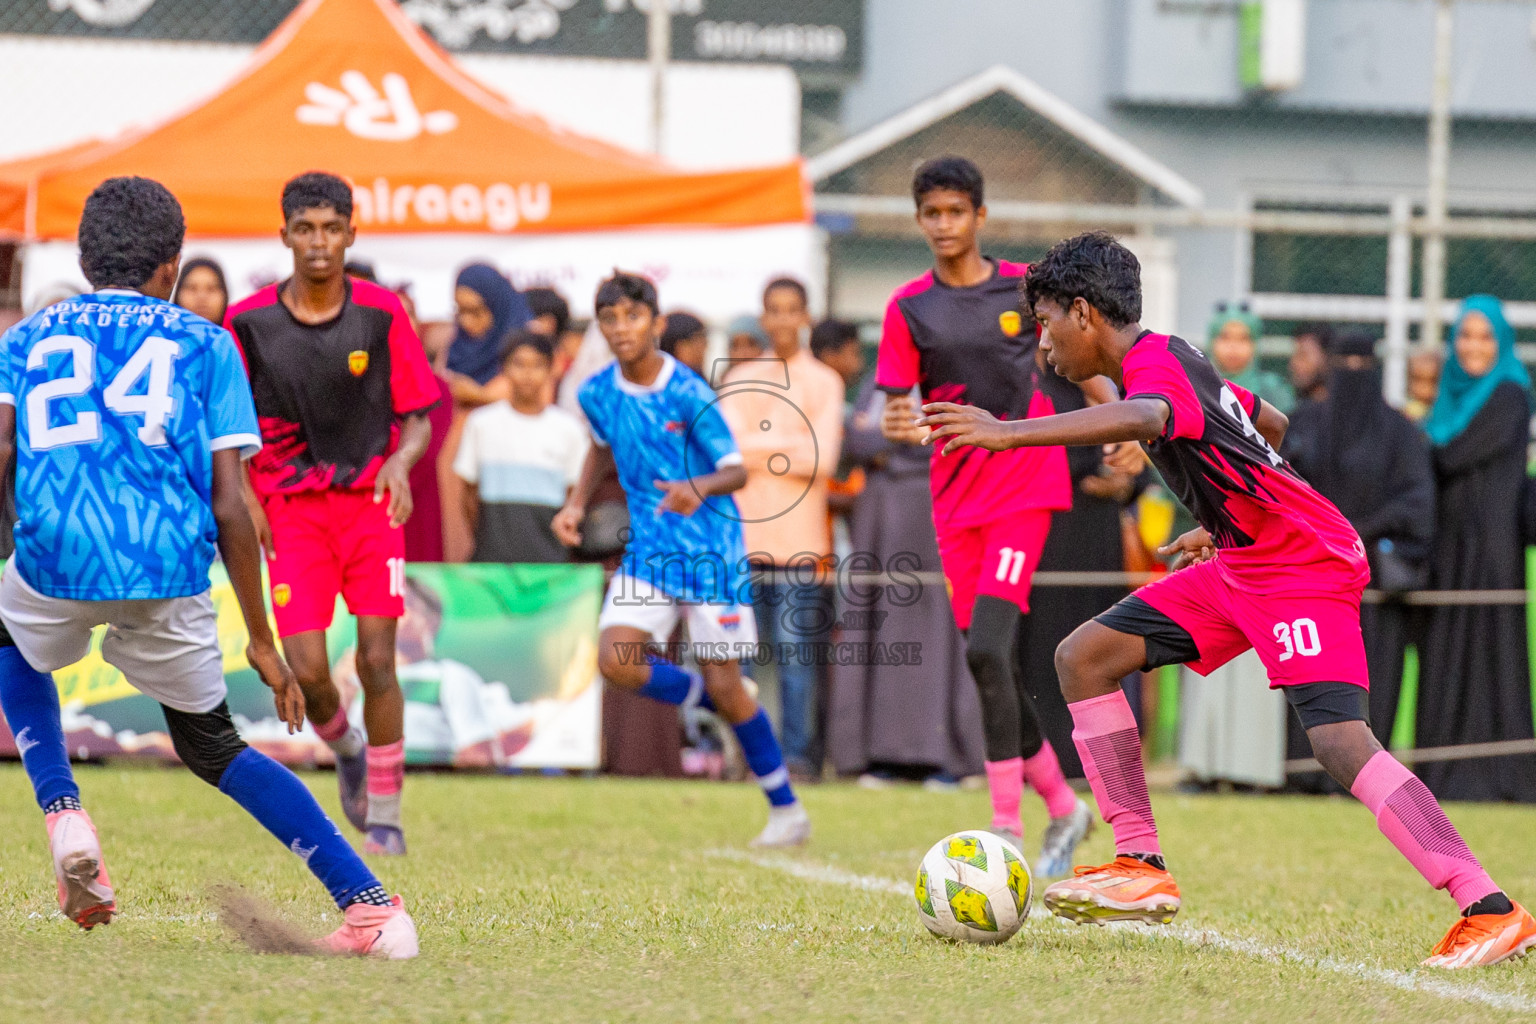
(659, 39)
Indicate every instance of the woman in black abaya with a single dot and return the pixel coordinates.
(1474, 676)
(1375, 465)
(917, 719)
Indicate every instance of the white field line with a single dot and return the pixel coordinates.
(1196, 937)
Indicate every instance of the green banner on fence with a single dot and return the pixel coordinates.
(498, 664)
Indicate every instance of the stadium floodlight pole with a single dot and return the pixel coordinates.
(659, 49)
(1439, 175)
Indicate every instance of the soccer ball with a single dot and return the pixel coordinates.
(973, 887)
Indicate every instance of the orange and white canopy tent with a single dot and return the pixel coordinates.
(351, 86)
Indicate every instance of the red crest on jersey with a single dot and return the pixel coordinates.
(357, 362)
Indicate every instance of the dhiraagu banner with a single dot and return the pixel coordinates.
(498, 664)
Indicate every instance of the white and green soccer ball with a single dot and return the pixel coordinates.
(973, 887)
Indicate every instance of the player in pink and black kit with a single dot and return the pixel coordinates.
(342, 389)
(958, 335)
(1272, 566)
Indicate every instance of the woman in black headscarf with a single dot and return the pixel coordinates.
(488, 308)
(1475, 673)
(1374, 464)
(201, 289)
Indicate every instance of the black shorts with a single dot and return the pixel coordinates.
(1168, 643)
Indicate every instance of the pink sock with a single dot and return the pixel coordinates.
(1005, 780)
(386, 769)
(1409, 815)
(1106, 739)
(335, 729)
(1043, 772)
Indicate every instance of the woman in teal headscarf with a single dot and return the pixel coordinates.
(1231, 340)
(1474, 678)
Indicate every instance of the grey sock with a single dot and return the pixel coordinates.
(350, 744)
(384, 810)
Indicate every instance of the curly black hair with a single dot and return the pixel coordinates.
(954, 173)
(130, 228)
(626, 286)
(314, 190)
(1090, 266)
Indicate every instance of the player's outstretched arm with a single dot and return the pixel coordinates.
(1272, 423)
(242, 560)
(1139, 419)
(1125, 456)
(567, 521)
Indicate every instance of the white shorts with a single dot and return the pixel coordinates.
(720, 632)
(168, 648)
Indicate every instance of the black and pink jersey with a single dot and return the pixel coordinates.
(330, 396)
(973, 346)
(1273, 532)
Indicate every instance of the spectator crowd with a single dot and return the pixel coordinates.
(1438, 491)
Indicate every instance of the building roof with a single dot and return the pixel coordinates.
(1001, 79)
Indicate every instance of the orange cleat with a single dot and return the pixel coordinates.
(85, 891)
(1126, 889)
(1485, 939)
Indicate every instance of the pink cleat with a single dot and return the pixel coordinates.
(385, 932)
(85, 891)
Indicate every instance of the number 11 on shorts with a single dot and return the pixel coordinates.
(396, 576)
(1299, 637)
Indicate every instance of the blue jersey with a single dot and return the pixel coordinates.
(121, 401)
(671, 430)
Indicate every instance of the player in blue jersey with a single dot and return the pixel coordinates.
(129, 419)
(655, 421)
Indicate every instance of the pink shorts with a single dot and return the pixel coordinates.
(1301, 637)
(329, 544)
(996, 558)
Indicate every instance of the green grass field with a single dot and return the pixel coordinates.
(604, 900)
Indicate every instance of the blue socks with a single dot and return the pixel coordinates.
(31, 705)
(761, 750)
(271, 793)
(672, 684)
(275, 797)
